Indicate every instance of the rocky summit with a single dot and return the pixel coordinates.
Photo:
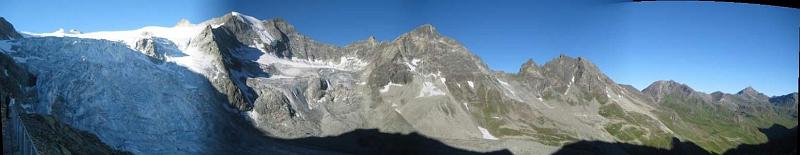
(236, 84)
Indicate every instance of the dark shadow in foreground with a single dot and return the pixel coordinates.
(600, 147)
(780, 141)
(372, 141)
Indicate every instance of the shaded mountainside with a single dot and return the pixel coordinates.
(609, 148)
(782, 141)
(238, 84)
(372, 141)
(7, 30)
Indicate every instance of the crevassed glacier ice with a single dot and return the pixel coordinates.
(130, 103)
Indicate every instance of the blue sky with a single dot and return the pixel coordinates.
(709, 46)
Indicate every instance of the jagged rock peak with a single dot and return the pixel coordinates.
(529, 68)
(578, 60)
(566, 67)
(530, 63)
(238, 17)
(372, 40)
(282, 25)
(422, 31)
(751, 93)
(426, 28)
(667, 85)
(661, 88)
(563, 58)
(748, 91)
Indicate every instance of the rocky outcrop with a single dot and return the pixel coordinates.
(216, 46)
(570, 72)
(291, 44)
(149, 47)
(530, 69)
(7, 31)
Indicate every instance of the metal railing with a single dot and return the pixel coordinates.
(20, 135)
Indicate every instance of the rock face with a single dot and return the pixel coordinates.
(7, 30)
(148, 45)
(751, 94)
(788, 100)
(54, 137)
(236, 76)
(786, 103)
(660, 89)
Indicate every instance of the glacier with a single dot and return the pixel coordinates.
(130, 103)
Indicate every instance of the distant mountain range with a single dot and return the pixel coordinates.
(237, 84)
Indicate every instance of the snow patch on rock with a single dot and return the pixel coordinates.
(413, 64)
(388, 86)
(257, 26)
(429, 89)
(254, 116)
(507, 87)
(485, 133)
(570, 85)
